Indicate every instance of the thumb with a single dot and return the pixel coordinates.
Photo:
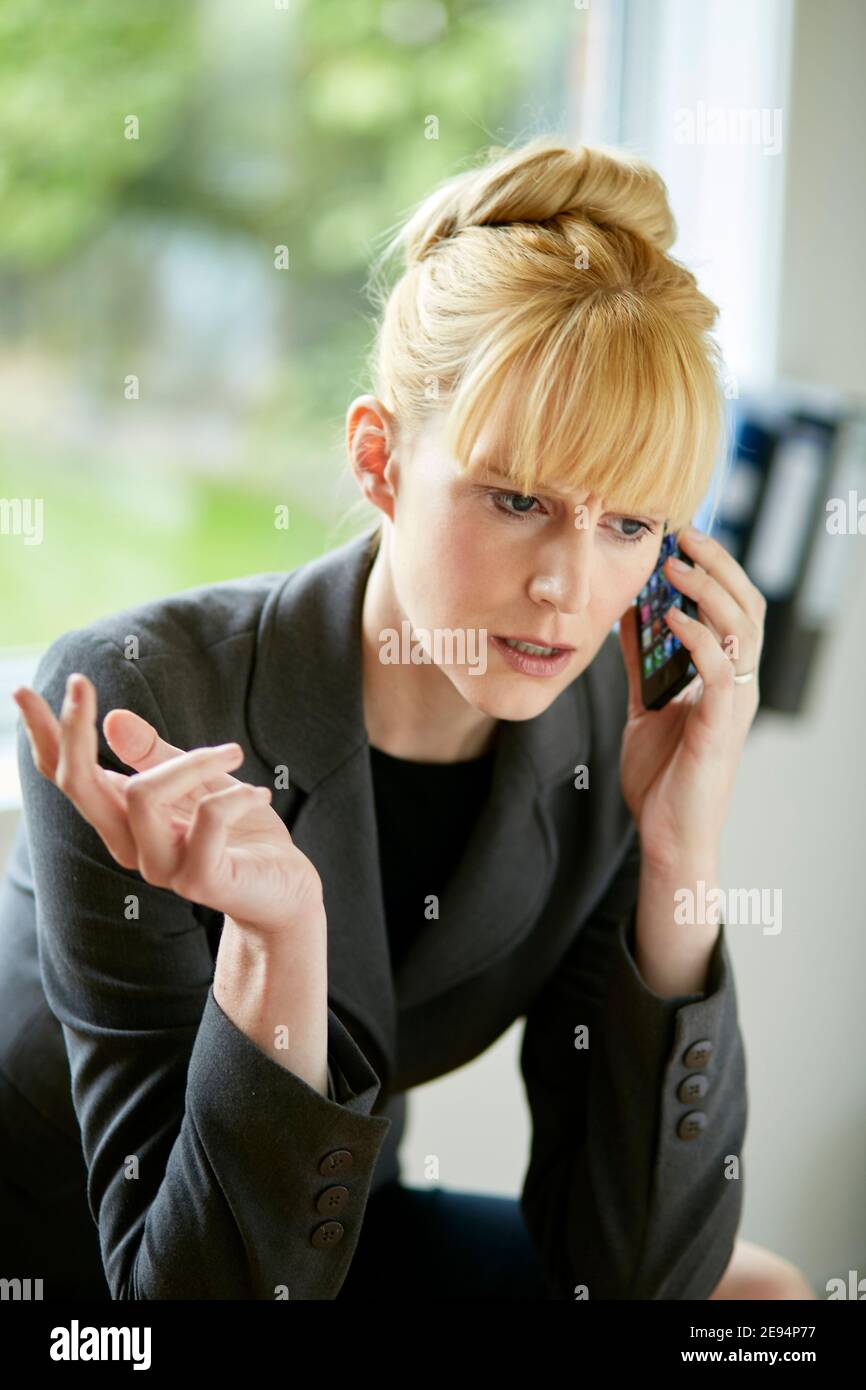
(135, 741)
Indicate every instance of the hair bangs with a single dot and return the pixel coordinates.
(615, 400)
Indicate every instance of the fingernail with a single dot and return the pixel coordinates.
(691, 534)
(73, 690)
(677, 564)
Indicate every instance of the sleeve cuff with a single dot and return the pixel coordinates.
(651, 1025)
(716, 969)
(353, 1085)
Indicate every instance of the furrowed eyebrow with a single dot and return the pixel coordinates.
(484, 471)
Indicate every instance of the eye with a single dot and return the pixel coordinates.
(634, 537)
(520, 512)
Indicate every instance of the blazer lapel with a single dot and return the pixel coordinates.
(336, 829)
(306, 713)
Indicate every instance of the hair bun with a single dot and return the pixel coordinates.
(542, 180)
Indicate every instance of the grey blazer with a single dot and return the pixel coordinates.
(208, 1164)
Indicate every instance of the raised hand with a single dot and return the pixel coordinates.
(181, 820)
(678, 764)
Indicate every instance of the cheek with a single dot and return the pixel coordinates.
(620, 580)
(459, 566)
(639, 574)
(632, 575)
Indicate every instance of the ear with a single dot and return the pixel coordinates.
(370, 440)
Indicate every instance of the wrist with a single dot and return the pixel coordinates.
(246, 947)
(686, 875)
(686, 863)
(274, 988)
(259, 964)
(276, 936)
(676, 925)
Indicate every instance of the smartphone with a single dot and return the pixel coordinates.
(665, 664)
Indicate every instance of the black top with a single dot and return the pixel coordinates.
(425, 813)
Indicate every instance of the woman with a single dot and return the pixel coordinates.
(546, 400)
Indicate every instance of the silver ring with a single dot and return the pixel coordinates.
(746, 676)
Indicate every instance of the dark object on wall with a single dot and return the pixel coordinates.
(792, 509)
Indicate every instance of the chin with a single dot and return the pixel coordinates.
(496, 700)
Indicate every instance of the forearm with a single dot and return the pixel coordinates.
(276, 992)
(673, 956)
(614, 1197)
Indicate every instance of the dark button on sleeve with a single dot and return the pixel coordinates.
(691, 1125)
(339, 1161)
(329, 1233)
(333, 1199)
(692, 1088)
(698, 1054)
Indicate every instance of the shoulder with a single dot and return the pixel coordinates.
(193, 619)
(181, 661)
(203, 621)
(188, 662)
(189, 624)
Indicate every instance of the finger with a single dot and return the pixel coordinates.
(76, 772)
(628, 638)
(41, 728)
(76, 763)
(208, 836)
(147, 795)
(138, 744)
(725, 615)
(182, 774)
(721, 565)
(134, 740)
(713, 666)
(80, 777)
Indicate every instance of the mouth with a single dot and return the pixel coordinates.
(534, 647)
(532, 658)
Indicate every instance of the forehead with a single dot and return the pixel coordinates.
(495, 471)
(490, 461)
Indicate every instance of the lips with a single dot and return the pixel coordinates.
(536, 641)
(537, 664)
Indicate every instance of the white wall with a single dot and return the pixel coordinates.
(823, 310)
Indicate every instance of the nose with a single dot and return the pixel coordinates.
(565, 582)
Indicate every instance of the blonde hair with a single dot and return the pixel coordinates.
(538, 286)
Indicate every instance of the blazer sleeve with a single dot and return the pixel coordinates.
(212, 1171)
(631, 1191)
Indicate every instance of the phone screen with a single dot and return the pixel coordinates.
(665, 664)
